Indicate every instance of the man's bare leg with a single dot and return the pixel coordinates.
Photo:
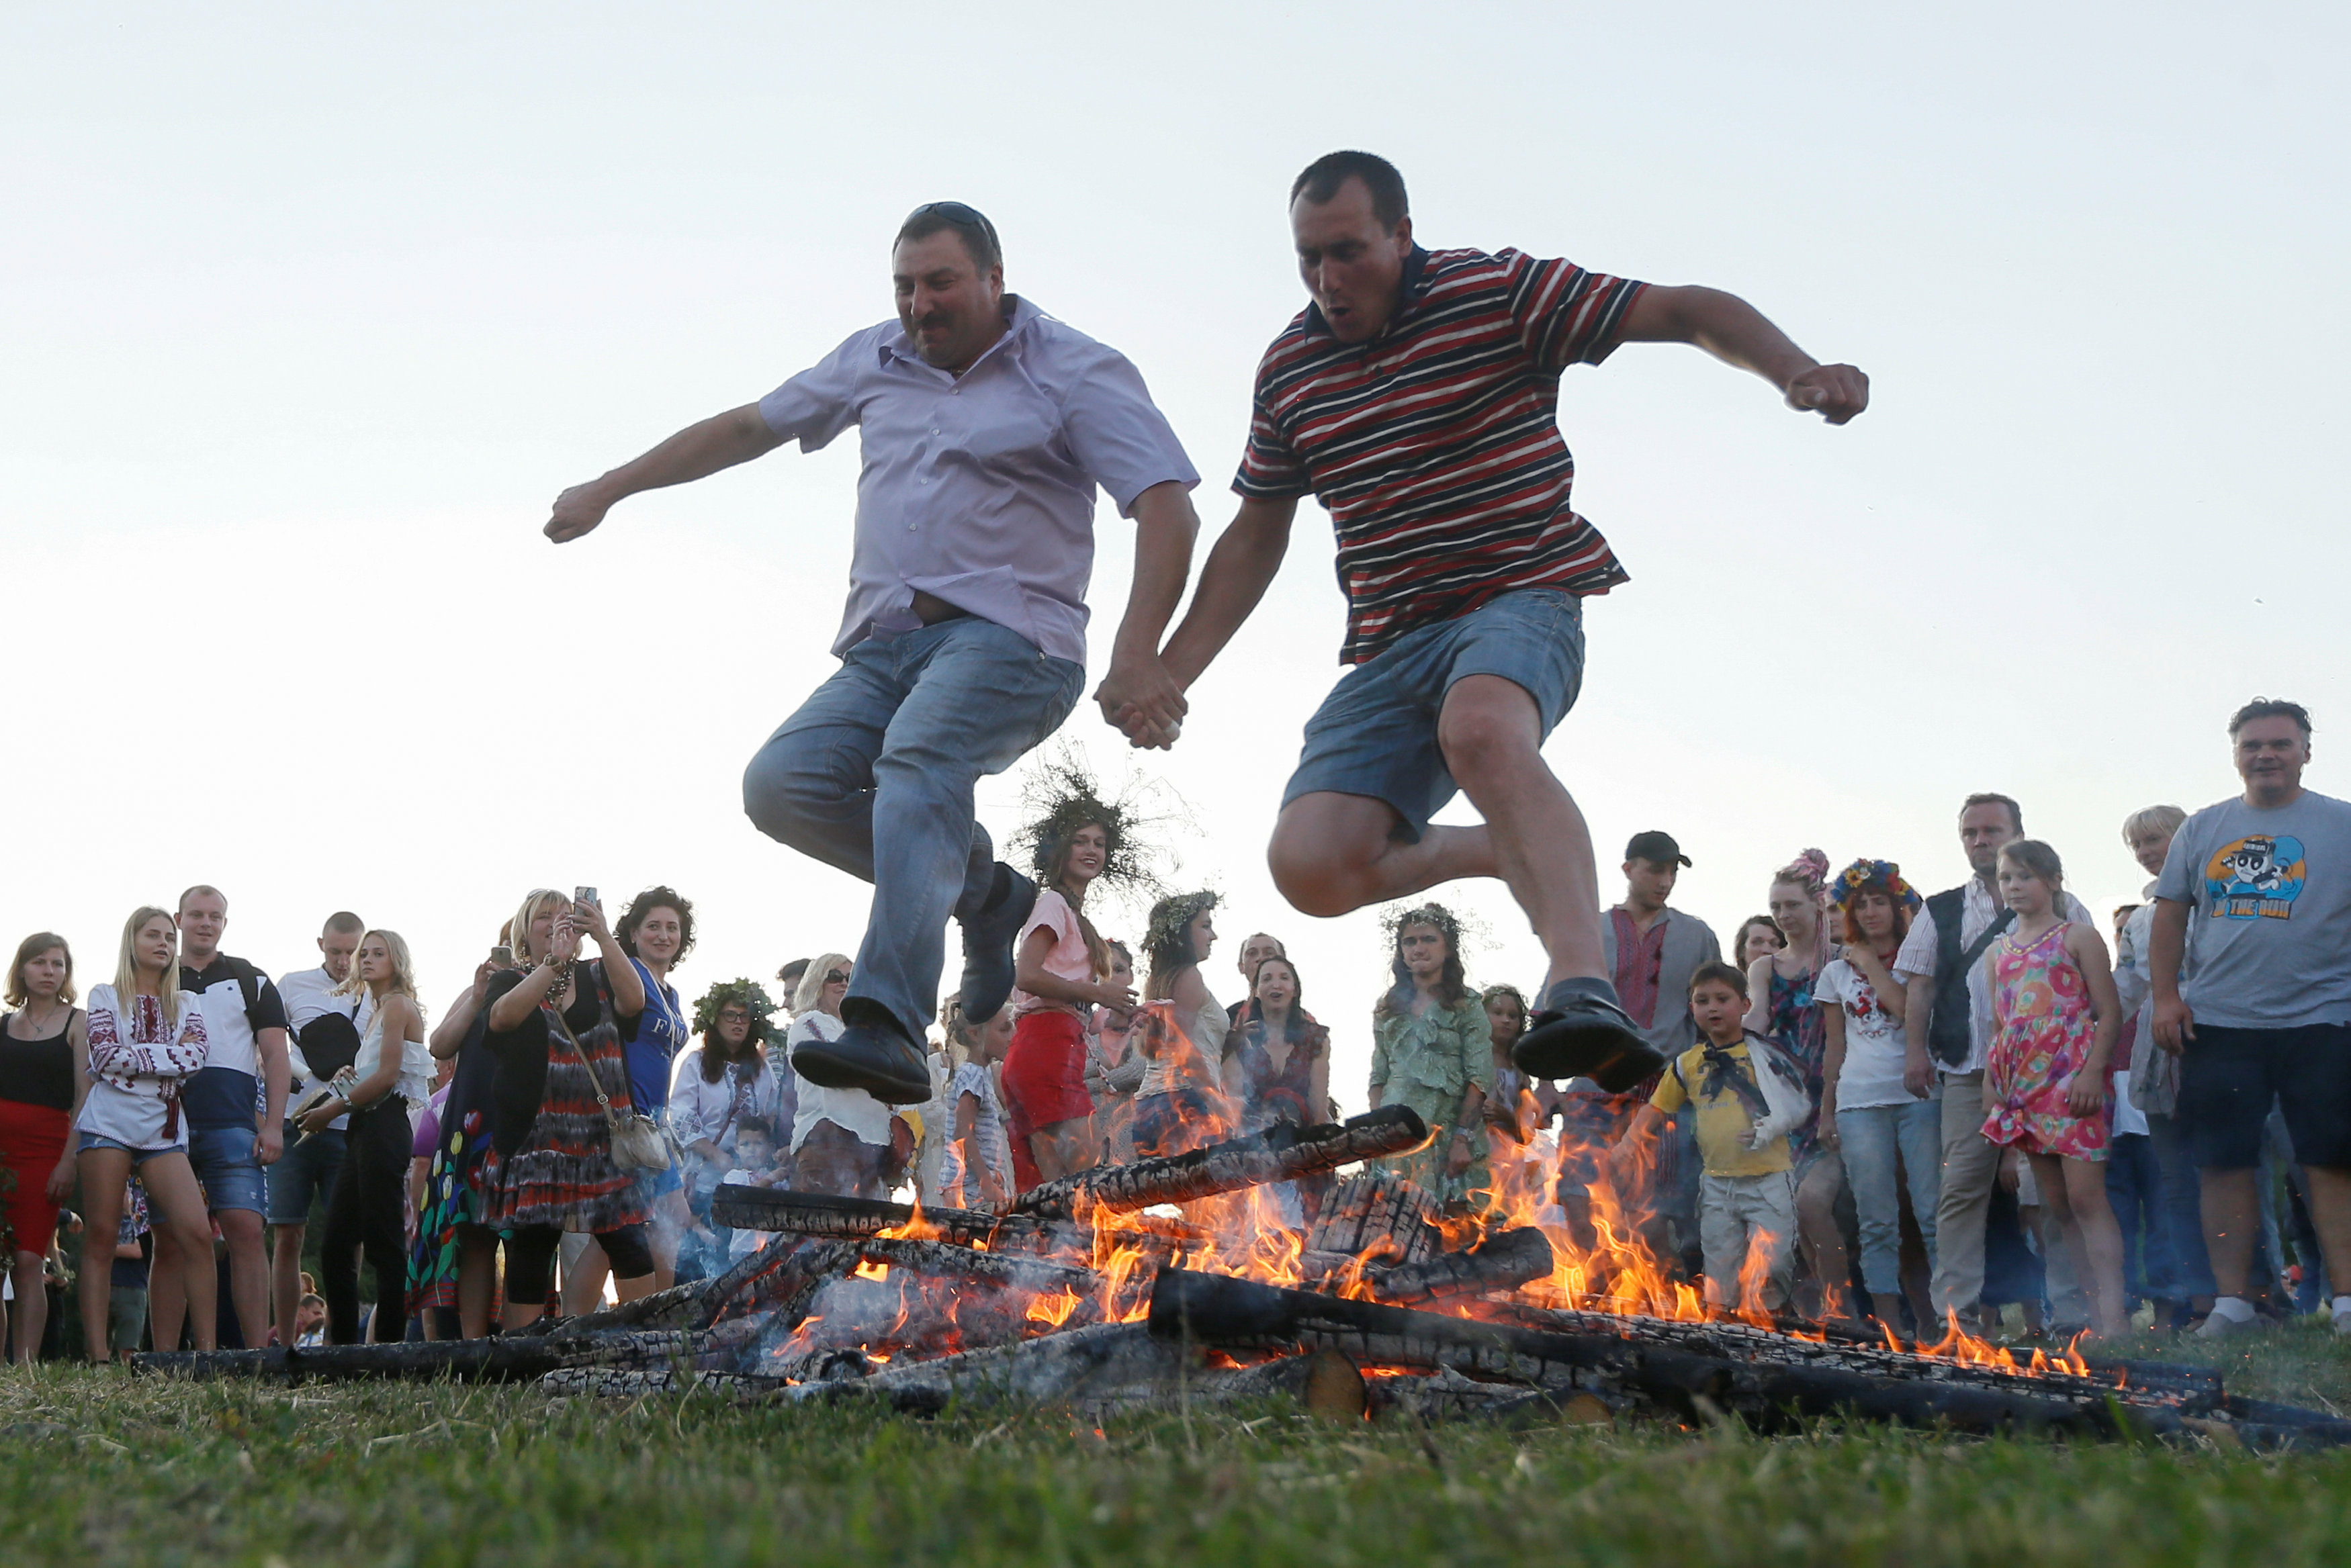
(1334, 853)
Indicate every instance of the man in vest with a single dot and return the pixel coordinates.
(324, 1023)
(1949, 1025)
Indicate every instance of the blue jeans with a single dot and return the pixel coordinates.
(874, 776)
(2181, 1205)
(1870, 1139)
(2135, 1191)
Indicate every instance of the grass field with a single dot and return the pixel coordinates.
(105, 1468)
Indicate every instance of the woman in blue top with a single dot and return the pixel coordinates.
(656, 931)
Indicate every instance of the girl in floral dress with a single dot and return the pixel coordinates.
(2056, 1015)
(1432, 1049)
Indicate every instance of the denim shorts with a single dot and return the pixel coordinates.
(226, 1168)
(139, 1156)
(304, 1174)
(1376, 735)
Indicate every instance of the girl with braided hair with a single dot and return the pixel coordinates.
(1432, 1049)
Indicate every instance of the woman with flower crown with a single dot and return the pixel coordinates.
(1432, 1049)
(1891, 1142)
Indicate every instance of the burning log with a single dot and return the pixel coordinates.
(781, 1278)
(1229, 1313)
(997, 1270)
(1504, 1261)
(822, 1215)
(1279, 1154)
(1378, 1216)
(673, 1308)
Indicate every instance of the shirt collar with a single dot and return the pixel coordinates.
(1410, 288)
(1019, 313)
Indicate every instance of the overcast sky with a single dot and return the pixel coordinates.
(306, 313)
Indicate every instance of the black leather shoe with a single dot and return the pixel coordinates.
(990, 939)
(873, 1054)
(1584, 1033)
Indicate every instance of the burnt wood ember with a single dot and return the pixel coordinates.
(1215, 1310)
(787, 1274)
(676, 1307)
(1378, 1216)
(1279, 1154)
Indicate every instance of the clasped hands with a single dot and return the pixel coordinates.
(1141, 700)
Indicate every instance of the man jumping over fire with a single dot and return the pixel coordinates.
(1416, 399)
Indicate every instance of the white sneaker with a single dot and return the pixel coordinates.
(2343, 1324)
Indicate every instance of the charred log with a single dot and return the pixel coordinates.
(633, 1382)
(1210, 1309)
(1380, 1216)
(848, 1218)
(501, 1360)
(780, 1279)
(676, 1307)
(997, 1270)
(1279, 1153)
(1504, 1261)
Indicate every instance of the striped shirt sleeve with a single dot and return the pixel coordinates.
(1270, 468)
(1567, 316)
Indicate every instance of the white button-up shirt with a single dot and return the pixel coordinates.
(979, 489)
(1918, 958)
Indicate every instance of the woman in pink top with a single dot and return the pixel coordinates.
(1061, 975)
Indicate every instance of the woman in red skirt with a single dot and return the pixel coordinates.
(1063, 976)
(44, 1050)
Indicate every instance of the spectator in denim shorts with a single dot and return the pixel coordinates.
(2253, 909)
(235, 1110)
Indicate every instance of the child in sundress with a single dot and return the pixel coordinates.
(2045, 1092)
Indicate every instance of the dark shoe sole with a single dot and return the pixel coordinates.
(886, 1067)
(1578, 1044)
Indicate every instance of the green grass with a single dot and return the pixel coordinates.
(102, 1468)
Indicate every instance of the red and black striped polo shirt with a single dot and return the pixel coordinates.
(1436, 445)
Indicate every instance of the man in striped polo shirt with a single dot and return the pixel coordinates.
(1417, 397)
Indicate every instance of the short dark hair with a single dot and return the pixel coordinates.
(788, 976)
(1321, 180)
(343, 922)
(755, 1126)
(1992, 797)
(970, 223)
(2270, 708)
(657, 898)
(1727, 974)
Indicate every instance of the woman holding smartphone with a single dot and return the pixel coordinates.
(554, 1028)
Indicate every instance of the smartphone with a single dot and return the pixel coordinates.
(502, 955)
(583, 895)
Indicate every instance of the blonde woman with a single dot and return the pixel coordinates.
(146, 1039)
(841, 1137)
(550, 1168)
(391, 1072)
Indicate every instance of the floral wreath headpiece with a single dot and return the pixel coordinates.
(1062, 797)
(751, 994)
(1172, 916)
(1882, 875)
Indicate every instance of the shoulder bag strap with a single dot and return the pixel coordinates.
(595, 1080)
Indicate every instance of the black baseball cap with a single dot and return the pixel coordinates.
(1657, 848)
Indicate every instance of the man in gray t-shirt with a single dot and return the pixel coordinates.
(2256, 896)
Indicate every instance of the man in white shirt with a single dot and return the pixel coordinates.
(326, 1031)
(1942, 958)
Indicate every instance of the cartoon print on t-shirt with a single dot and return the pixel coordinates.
(2256, 878)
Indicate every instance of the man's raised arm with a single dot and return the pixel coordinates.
(1736, 332)
(1240, 567)
(698, 450)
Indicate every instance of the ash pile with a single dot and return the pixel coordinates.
(1172, 1280)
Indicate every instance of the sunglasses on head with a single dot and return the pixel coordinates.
(957, 214)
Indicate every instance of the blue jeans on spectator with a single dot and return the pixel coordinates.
(1870, 1139)
(2135, 1191)
(2181, 1205)
(874, 776)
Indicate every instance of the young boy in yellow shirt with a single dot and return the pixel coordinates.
(1746, 1200)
